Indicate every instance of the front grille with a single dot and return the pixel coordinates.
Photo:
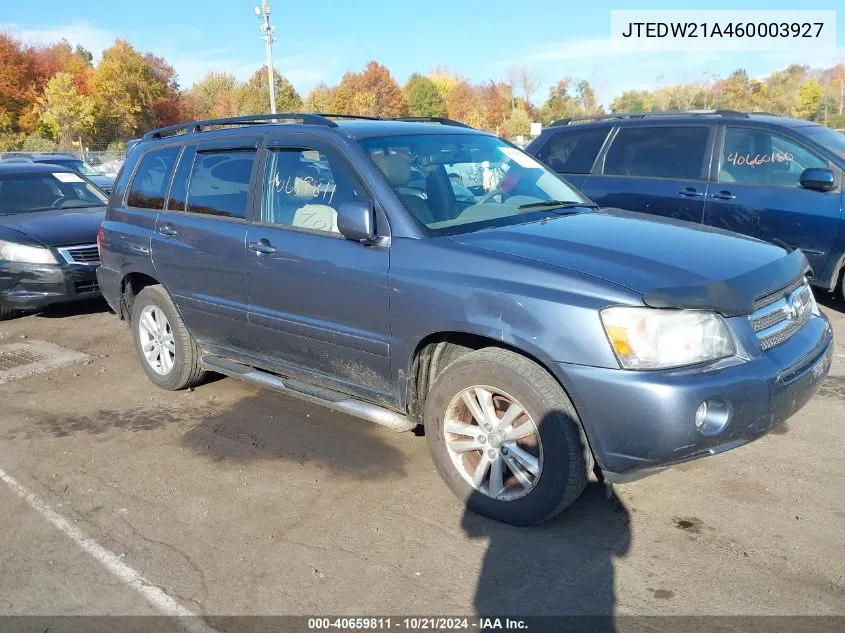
(88, 254)
(779, 315)
(86, 286)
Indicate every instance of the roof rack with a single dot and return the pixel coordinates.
(641, 115)
(362, 117)
(430, 119)
(197, 126)
(303, 117)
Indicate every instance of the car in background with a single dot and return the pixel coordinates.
(70, 161)
(49, 217)
(531, 334)
(769, 177)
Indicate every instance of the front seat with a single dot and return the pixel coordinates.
(398, 171)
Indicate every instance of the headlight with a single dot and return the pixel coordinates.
(12, 252)
(647, 338)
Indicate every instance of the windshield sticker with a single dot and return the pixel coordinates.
(523, 160)
(304, 187)
(63, 176)
(759, 159)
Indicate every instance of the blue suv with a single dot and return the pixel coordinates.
(425, 274)
(773, 178)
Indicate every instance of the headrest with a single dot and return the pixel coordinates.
(396, 168)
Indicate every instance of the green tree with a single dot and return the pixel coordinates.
(423, 97)
(810, 99)
(36, 143)
(64, 112)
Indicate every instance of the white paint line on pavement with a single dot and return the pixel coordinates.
(111, 561)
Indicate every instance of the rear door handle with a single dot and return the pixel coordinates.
(690, 192)
(723, 195)
(168, 231)
(262, 247)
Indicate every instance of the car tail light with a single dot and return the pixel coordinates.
(100, 241)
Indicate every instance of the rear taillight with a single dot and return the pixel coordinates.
(100, 241)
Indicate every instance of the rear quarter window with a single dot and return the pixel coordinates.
(149, 184)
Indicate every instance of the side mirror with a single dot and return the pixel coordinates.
(818, 179)
(356, 221)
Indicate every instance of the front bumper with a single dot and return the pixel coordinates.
(640, 422)
(35, 286)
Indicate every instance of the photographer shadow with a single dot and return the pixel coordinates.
(561, 568)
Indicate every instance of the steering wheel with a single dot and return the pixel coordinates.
(488, 196)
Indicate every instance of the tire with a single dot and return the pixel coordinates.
(558, 444)
(7, 313)
(181, 369)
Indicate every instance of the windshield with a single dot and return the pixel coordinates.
(77, 165)
(831, 139)
(462, 182)
(22, 193)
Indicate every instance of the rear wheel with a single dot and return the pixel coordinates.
(505, 437)
(165, 347)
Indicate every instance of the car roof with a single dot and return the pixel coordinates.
(645, 119)
(14, 167)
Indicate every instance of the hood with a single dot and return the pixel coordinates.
(669, 262)
(63, 227)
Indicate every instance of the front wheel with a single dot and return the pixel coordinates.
(506, 438)
(165, 347)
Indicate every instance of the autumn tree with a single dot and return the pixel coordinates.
(64, 112)
(205, 92)
(444, 79)
(254, 97)
(17, 81)
(423, 97)
(374, 89)
(131, 92)
(317, 99)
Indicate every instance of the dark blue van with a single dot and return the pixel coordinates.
(773, 178)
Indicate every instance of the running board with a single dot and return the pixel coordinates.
(325, 397)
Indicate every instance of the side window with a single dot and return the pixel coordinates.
(179, 188)
(658, 152)
(303, 188)
(758, 157)
(573, 152)
(219, 183)
(149, 186)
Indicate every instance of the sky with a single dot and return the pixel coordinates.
(480, 39)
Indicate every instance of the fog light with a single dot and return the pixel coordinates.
(711, 416)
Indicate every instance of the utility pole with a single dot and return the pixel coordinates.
(263, 13)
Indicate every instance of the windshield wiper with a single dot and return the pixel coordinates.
(557, 204)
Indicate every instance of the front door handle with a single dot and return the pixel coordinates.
(262, 247)
(690, 192)
(168, 231)
(723, 195)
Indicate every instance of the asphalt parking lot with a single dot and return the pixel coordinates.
(231, 500)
